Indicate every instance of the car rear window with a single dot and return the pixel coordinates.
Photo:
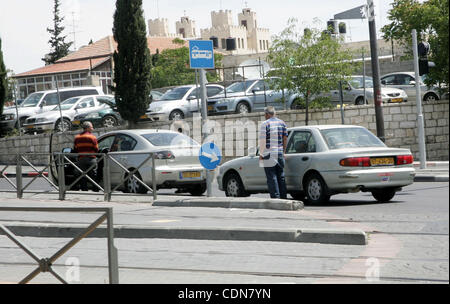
(342, 138)
(169, 139)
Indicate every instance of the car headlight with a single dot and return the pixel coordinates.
(158, 109)
(92, 115)
(40, 120)
(7, 117)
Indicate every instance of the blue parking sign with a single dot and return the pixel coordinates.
(201, 54)
(209, 156)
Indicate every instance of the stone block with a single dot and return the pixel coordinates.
(407, 124)
(395, 110)
(399, 117)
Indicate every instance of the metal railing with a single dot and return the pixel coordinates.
(60, 163)
(45, 264)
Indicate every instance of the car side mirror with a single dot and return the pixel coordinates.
(383, 82)
(104, 150)
(192, 97)
(42, 104)
(252, 151)
(67, 150)
(412, 82)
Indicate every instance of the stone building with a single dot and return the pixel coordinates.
(186, 28)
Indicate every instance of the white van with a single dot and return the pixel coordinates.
(40, 102)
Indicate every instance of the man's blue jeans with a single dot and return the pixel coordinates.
(275, 179)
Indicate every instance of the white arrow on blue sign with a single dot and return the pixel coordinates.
(210, 156)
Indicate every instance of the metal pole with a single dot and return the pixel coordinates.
(17, 110)
(376, 72)
(420, 122)
(19, 176)
(341, 99)
(204, 130)
(364, 77)
(61, 178)
(112, 250)
(59, 105)
(155, 196)
(106, 178)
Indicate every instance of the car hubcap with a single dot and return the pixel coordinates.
(243, 109)
(64, 126)
(431, 98)
(132, 185)
(109, 122)
(233, 187)
(177, 116)
(314, 189)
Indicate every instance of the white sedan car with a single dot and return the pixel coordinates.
(325, 160)
(177, 164)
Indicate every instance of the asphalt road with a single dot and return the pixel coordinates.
(408, 243)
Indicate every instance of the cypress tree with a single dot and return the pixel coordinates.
(59, 48)
(3, 82)
(132, 60)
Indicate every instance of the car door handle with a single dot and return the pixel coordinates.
(304, 158)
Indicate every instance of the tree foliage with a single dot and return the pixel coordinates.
(3, 81)
(309, 64)
(431, 20)
(59, 48)
(171, 68)
(132, 60)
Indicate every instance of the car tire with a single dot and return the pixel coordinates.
(176, 115)
(242, 108)
(384, 195)
(109, 121)
(197, 190)
(430, 97)
(297, 105)
(360, 101)
(66, 125)
(233, 186)
(316, 190)
(133, 186)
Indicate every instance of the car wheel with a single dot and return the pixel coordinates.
(233, 186)
(65, 125)
(242, 108)
(133, 186)
(197, 190)
(430, 97)
(109, 121)
(383, 195)
(298, 195)
(297, 104)
(360, 101)
(316, 189)
(176, 115)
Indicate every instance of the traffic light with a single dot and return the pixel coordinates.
(423, 49)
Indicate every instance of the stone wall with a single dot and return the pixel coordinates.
(231, 131)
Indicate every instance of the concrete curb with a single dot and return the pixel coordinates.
(322, 236)
(431, 178)
(276, 204)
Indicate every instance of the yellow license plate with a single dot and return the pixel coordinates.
(397, 99)
(192, 174)
(29, 127)
(210, 108)
(76, 122)
(382, 161)
(143, 117)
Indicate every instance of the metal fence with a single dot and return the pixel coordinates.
(60, 164)
(45, 264)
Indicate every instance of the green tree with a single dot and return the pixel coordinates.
(431, 20)
(309, 64)
(132, 60)
(59, 48)
(171, 68)
(3, 81)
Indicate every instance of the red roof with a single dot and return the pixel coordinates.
(95, 54)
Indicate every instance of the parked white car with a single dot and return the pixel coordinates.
(407, 82)
(70, 108)
(325, 160)
(353, 92)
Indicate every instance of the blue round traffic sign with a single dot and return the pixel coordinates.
(209, 156)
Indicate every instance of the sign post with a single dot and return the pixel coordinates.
(201, 57)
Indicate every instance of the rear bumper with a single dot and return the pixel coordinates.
(38, 127)
(344, 181)
(168, 177)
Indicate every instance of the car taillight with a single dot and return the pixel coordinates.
(404, 159)
(355, 162)
(164, 155)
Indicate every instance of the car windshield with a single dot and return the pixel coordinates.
(239, 86)
(32, 100)
(357, 82)
(67, 104)
(342, 138)
(175, 94)
(169, 139)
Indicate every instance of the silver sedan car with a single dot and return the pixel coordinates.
(325, 160)
(176, 165)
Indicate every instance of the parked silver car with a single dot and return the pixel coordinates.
(353, 92)
(407, 82)
(250, 96)
(179, 103)
(70, 108)
(325, 160)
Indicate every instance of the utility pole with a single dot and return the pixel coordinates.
(375, 71)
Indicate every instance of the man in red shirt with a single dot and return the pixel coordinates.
(86, 142)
